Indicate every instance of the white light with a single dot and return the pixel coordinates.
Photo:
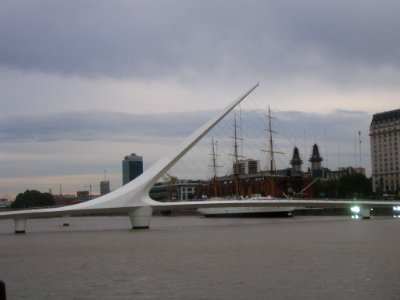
(355, 209)
(395, 208)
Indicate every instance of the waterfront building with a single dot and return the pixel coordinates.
(4, 202)
(104, 187)
(83, 195)
(340, 172)
(261, 184)
(132, 167)
(384, 135)
(66, 199)
(174, 190)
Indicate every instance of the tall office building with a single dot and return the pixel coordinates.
(132, 167)
(104, 187)
(384, 135)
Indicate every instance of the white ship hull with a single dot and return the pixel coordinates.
(246, 211)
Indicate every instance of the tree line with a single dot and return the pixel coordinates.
(32, 198)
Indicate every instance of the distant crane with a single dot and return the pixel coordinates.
(90, 186)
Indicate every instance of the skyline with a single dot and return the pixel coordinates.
(79, 81)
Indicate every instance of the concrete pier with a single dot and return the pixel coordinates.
(20, 225)
(141, 217)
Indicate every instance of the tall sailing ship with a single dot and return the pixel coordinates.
(246, 211)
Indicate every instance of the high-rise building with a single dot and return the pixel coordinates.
(132, 167)
(384, 135)
(247, 166)
(104, 187)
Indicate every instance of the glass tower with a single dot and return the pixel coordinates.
(132, 167)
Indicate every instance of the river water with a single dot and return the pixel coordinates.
(190, 257)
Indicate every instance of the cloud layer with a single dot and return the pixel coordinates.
(77, 77)
(147, 39)
(98, 125)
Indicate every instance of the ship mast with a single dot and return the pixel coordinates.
(270, 150)
(271, 144)
(236, 166)
(235, 145)
(214, 166)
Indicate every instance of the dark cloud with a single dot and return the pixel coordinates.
(87, 126)
(99, 125)
(155, 38)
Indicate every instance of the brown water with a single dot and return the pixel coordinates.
(196, 258)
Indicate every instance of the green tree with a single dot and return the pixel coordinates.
(332, 188)
(326, 188)
(355, 185)
(33, 198)
(348, 186)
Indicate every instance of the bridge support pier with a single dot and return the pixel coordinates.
(140, 217)
(20, 225)
(365, 213)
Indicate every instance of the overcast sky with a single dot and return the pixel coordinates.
(83, 83)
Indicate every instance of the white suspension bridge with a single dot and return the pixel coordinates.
(134, 200)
